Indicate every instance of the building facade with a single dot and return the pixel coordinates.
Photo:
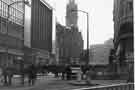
(70, 44)
(41, 26)
(99, 54)
(40, 39)
(76, 45)
(123, 35)
(11, 33)
(60, 34)
(71, 17)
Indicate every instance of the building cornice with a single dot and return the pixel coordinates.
(47, 4)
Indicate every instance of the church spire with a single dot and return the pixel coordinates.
(71, 18)
(71, 1)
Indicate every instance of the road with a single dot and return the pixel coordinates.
(43, 83)
(51, 83)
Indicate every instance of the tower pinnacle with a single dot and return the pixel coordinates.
(71, 17)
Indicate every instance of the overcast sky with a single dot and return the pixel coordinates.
(100, 18)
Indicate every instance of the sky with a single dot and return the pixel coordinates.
(100, 18)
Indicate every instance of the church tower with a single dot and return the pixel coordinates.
(71, 17)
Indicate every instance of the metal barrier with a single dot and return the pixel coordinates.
(123, 86)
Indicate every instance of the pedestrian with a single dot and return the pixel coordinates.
(8, 74)
(68, 72)
(79, 75)
(130, 73)
(5, 75)
(63, 73)
(89, 74)
(22, 72)
(32, 74)
(1, 77)
(84, 70)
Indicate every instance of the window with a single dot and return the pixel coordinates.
(130, 6)
(121, 10)
(3, 27)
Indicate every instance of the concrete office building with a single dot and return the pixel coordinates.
(100, 53)
(38, 32)
(11, 33)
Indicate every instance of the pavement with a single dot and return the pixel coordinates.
(51, 83)
(97, 82)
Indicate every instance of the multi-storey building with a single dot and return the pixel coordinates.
(69, 39)
(11, 32)
(39, 39)
(100, 53)
(70, 44)
(123, 34)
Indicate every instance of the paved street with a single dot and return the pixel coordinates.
(44, 83)
(51, 83)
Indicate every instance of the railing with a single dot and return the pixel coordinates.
(16, 14)
(123, 86)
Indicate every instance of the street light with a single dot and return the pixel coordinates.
(87, 31)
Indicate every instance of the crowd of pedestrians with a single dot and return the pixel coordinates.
(31, 71)
(84, 73)
(7, 73)
(66, 73)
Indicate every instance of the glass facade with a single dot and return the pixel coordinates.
(16, 11)
(11, 31)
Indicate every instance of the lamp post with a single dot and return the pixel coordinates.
(87, 31)
(7, 21)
